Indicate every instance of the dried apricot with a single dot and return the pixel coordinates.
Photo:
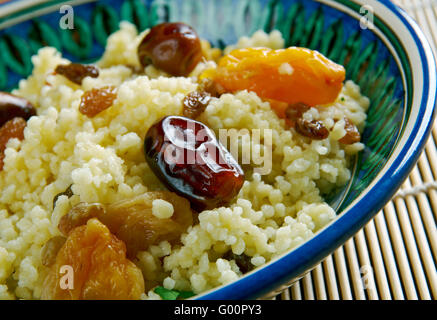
(97, 100)
(12, 129)
(79, 216)
(76, 72)
(132, 220)
(92, 265)
(289, 75)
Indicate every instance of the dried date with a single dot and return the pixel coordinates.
(76, 72)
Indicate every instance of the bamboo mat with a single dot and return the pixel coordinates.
(394, 256)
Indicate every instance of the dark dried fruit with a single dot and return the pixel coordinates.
(296, 111)
(12, 107)
(172, 47)
(132, 220)
(97, 100)
(242, 261)
(12, 129)
(99, 268)
(186, 156)
(79, 215)
(312, 129)
(76, 72)
(68, 193)
(195, 103)
(51, 249)
(352, 134)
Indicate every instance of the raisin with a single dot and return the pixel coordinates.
(76, 72)
(96, 100)
(352, 134)
(172, 47)
(100, 269)
(296, 111)
(312, 129)
(51, 249)
(12, 129)
(288, 75)
(195, 103)
(12, 107)
(242, 261)
(132, 220)
(68, 193)
(186, 156)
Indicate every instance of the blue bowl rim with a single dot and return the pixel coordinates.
(307, 255)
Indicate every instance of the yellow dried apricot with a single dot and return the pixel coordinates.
(100, 269)
(97, 100)
(12, 129)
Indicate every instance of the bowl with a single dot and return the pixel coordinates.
(382, 48)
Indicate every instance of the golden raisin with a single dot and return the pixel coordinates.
(352, 134)
(96, 100)
(12, 129)
(76, 72)
(195, 103)
(51, 249)
(132, 220)
(68, 193)
(100, 269)
(312, 129)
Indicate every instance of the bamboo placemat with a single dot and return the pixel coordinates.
(394, 256)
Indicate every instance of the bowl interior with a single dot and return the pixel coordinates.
(326, 26)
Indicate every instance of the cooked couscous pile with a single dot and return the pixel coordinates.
(102, 159)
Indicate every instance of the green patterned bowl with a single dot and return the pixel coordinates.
(389, 58)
